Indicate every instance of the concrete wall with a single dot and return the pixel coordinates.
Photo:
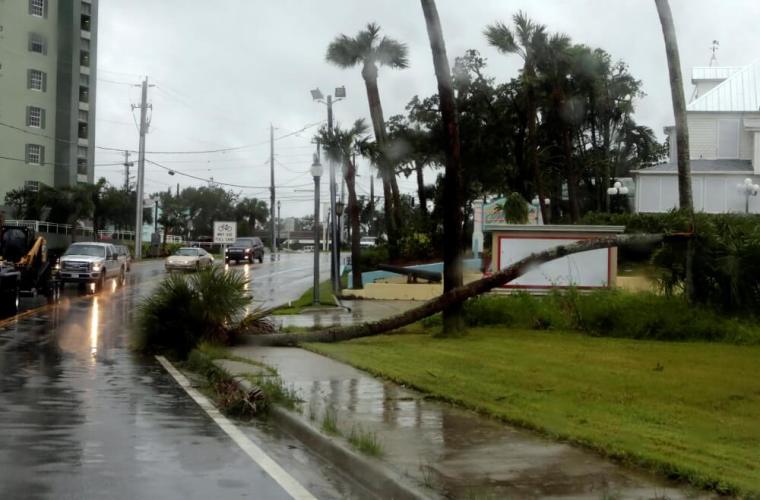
(60, 27)
(16, 59)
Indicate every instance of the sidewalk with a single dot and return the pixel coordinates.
(446, 451)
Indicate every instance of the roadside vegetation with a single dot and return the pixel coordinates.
(687, 409)
(186, 310)
(306, 300)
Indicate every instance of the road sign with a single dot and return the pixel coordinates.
(225, 232)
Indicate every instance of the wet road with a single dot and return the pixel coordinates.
(83, 417)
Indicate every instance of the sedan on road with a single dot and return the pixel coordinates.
(189, 259)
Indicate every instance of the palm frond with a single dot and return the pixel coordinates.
(344, 52)
(500, 36)
(391, 53)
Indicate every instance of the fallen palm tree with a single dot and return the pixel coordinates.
(453, 297)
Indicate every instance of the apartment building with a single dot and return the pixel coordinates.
(47, 92)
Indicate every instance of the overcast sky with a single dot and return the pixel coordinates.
(225, 70)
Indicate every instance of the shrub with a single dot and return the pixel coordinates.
(610, 313)
(416, 247)
(187, 309)
(371, 257)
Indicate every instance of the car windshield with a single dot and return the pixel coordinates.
(242, 243)
(187, 252)
(89, 250)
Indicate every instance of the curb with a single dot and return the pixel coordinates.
(373, 475)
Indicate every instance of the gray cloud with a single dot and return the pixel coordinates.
(225, 70)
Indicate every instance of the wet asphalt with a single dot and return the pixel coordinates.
(82, 416)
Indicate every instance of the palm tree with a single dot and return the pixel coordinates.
(369, 50)
(453, 322)
(341, 145)
(525, 40)
(682, 131)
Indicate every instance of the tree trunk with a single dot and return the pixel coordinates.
(453, 322)
(353, 212)
(572, 176)
(418, 166)
(682, 131)
(533, 141)
(454, 297)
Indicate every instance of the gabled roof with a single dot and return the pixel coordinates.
(740, 92)
(700, 166)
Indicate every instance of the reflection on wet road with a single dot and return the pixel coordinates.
(83, 417)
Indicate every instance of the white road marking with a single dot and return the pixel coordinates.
(285, 480)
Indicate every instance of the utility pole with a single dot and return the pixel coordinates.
(141, 169)
(127, 164)
(279, 221)
(271, 188)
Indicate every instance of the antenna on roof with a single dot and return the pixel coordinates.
(714, 49)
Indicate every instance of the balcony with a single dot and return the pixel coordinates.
(82, 131)
(84, 58)
(85, 22)
(84, 94)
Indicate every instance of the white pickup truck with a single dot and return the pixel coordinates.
(91, 263)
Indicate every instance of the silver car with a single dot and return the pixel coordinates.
(189, 259)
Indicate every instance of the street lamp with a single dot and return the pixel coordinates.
(748, 188)
(339, 208)
(316, 172)
(316, 94)
(617, 189)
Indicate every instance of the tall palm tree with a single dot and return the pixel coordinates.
(370, 50)
(341, 145)
(682, 131)
(453, 322)
(526, 40)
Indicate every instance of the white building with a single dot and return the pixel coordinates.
(724, 145)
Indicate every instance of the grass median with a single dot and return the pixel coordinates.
(685, 409)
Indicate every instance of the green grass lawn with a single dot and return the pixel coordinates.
(685, 409)
(305, 300)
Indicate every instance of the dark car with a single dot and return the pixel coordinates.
(245, 249)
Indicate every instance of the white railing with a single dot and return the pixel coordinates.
(67, 229)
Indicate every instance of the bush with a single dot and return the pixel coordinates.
(609, 313)
(371, 257)
(726, 255)
(416, 247)
(187, 309)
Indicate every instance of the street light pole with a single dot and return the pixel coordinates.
(316, 94)
(316, 172)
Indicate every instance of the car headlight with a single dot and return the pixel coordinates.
(96, 267)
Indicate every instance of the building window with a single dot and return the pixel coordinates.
(85, 22)
(82, 166)
(38, 8)
(84, 80)
(36, 80)
(84, 44)
(82, 152)
(82, 130)
(37, 43)
(86, 8)
(84, 94)
(35, 117)
(32, 186)
(84, 58)
(35, 154)
(84, 116)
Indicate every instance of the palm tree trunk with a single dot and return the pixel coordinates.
(572, 176)
(453, 321)
(353, 212)
(682, 131)
(533, 143)
(369, 73)
(421, 188)
(454, 297)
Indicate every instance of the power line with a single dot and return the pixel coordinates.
(221, 150)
